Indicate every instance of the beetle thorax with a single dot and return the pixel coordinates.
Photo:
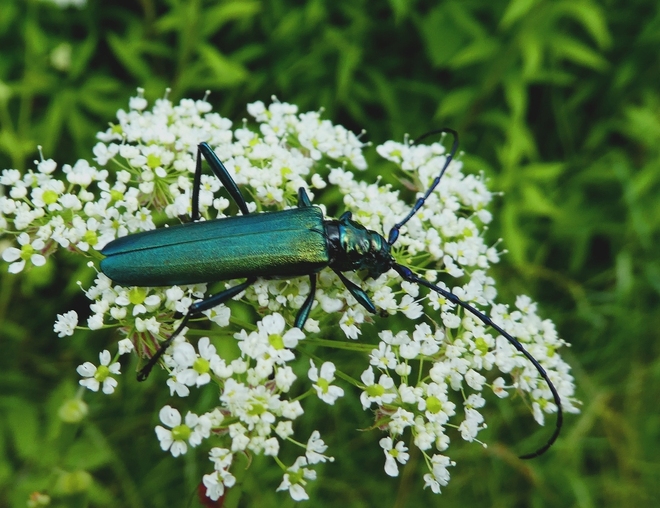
(354, 247)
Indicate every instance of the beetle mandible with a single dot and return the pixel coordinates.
(284, 244)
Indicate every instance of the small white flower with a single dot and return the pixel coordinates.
(440, 474)
(499, 388)
(475, 380)
(410, 308)
(284, 378)
(94, 377)
(221, 478)
(472, 424)
(177, 439)
(316, 448)
(194, 370)
(349, 322)
(151, 325)
(394, 454)
(125, 346)
(27, 252)
(378, 393)
(221, 458)
(138, 103)
(95, 322)
(383, 357)
(176, 386)
(284, 429)
(66, 324)
(322, 383)
(217, 482)
(271, 447)
(295, 479)
(400, 420)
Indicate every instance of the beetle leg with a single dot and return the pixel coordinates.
(219, 169)
(303, 198)
(222, 297)
(304, 311)
(194, 309)
(358, 293)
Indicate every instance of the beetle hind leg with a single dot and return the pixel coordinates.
(194, 309)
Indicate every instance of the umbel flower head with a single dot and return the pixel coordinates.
(428, 381)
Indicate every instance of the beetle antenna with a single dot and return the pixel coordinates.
(394, 232)
(410, 276)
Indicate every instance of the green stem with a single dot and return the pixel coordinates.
(334, 344)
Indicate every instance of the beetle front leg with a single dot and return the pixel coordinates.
(194, 309)
(358, 293)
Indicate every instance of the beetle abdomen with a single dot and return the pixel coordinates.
(274, 244)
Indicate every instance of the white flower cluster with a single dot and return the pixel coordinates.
(416, 379)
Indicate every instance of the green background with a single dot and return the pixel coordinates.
(558, 103)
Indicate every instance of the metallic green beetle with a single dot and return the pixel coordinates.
(282, 244)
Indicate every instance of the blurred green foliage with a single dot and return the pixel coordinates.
(558, 102)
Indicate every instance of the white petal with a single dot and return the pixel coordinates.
(391, 469)
(87, 369)
(90, 383)
(298, 493)
(328, 371)
(104, 357)
(170, 416)
(165, 437)
(178, 448)
(109, 385)
(16, 267)
(11, 254)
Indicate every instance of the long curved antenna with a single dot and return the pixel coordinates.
(410, 276)
(394, 232)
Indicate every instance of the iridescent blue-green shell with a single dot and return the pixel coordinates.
(274, 244)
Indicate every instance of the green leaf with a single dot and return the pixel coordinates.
(544, 171)
(478, 51)
(516, 97)
(217, 16)
(349, 59)
(54, 120)
(536, 200)
(590, 15)
(226, 72)
(128, 54)
(23, 422)
(571, 49)
(401, 9)
(96, 94)
(516, 239)
(82, 54)
(456, 101)
(9, 15)
(442, 38)
(531, 50)
(516, 10)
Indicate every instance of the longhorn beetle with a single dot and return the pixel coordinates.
(284, 244)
